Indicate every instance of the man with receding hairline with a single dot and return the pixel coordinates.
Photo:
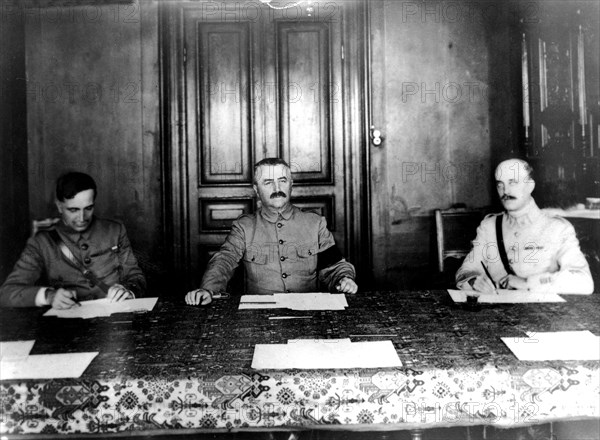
(81, 257)
(283, 248)
(523, 247)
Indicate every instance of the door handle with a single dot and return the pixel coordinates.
(376, 137)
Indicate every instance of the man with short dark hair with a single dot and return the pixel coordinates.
(524, 248)
(81, 257)
(283, 248)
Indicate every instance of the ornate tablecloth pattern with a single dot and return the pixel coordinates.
(481, 386)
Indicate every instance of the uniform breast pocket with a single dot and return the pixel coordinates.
(106, 266)
(254, 261)
(307, 257)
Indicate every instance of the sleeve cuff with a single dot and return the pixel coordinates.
(543, 282)
(40, 297)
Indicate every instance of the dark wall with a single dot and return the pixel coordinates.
(14, 212)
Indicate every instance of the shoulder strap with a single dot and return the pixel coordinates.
(501, 248)
(88, 274)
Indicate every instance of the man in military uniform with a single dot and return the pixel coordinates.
(81, 258)
(541, 251)
(284, 249)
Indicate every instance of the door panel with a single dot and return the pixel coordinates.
(221, 73)
(305, 117)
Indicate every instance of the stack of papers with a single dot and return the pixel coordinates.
(563, 346)
(16, 363)
(103, 307)
(295, 301)
(325, 353)
(508, 296)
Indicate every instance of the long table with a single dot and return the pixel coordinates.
(183, 367)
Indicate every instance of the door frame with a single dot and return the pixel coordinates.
(175, 181)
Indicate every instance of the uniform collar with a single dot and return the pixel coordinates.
(73, 235)
(525, 216)
(273, 216)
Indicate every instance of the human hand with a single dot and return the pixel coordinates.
(117, 293)
(63, 299)
(483, 284)
(513, 282)
(346, 285)
(198, 296)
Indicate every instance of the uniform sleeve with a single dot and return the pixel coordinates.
(19, 289)
(222, 265)
(331, 264)
(132, 276)
(573, 275)
(471, 266)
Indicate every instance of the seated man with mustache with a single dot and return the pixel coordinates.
(283, 248)
(81, 257)
(523, 247)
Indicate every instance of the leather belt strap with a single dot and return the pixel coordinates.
(501, 249)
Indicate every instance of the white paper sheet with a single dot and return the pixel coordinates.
(570, 345)
(319, 354)
(103, 307)
(15, 349)
(46, 366)
(295, 301)
(508, 296)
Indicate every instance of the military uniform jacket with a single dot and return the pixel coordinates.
(540, 248)
(103, 248)
(287, 252)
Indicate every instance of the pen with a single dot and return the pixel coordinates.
(487, 272)
(257, 302)
(290, 317)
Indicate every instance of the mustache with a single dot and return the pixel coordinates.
(507, 197)
(278, 194)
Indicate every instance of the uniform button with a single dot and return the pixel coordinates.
(87, 260)
(279, 225)
(284, 275)
(510, 261)
(516, 233)
(84, 246)
(282, 258)
(280, 241)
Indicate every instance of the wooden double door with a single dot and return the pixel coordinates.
(243, 82)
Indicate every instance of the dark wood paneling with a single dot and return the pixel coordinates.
(223, 71)
(93, 105)
(305, 96)
(321, 205)
(14, 224)
(217, 215)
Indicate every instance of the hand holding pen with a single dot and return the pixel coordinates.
(64, 299)
(484, 283)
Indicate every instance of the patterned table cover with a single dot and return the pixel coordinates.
(181, 367)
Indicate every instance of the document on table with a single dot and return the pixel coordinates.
(295, 301)
(46, 366)
(15, 349)
(17, 363)
(508, 296)
(103, 307)
(562, 346)
(325, 353)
